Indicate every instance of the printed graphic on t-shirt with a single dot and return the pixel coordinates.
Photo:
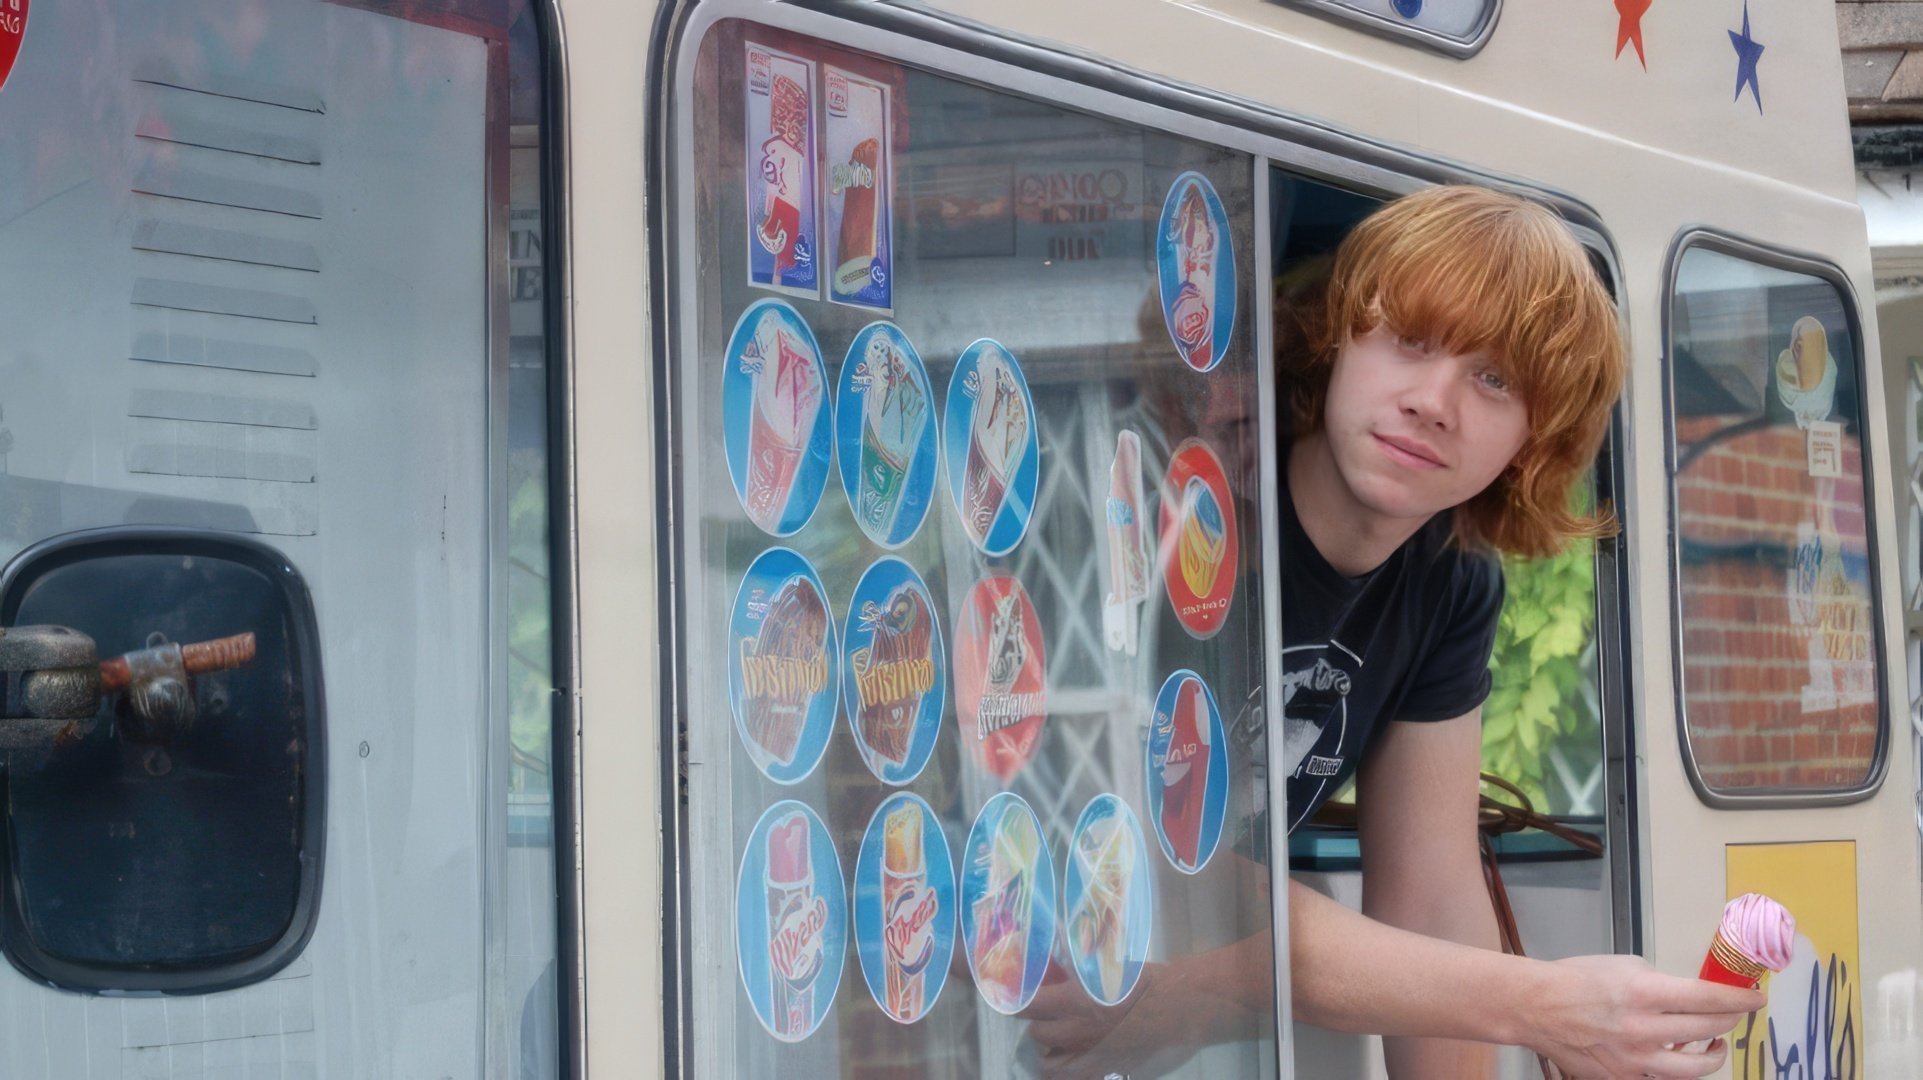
(1316, 680)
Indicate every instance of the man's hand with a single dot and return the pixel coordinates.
(1608, 1016)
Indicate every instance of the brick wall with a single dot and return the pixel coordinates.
(1779, 671)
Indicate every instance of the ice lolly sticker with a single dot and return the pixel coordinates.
(885, 434)
(1188, 771)
(791, 921)
(1007, 903)
(860, 185)
(1198, 544)
(777, 423)
(781, 665)
(1000, 686)
(13, 30)
(904, 907)
(1107, 896)
(1196, 265)
(894, 672)
(1127, 545)
(988, 436)
(780, 155)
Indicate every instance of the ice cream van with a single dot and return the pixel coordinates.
(732, 538)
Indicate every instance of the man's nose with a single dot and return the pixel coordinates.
(1432, 400)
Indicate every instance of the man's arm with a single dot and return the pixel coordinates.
(1416, 800)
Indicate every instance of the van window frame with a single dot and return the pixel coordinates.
(1458, 48)
(962, 49)
(1824, 269)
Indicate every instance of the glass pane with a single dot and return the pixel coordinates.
(1781, 690)
(972, 591)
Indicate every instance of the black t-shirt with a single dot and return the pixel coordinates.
(1410, 640)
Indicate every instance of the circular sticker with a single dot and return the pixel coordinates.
(1188, 771)
(988, 439)
(1007, 903)
(1001, 695)
(13, 30)
(1198, 556)
(1110, 905)
(1196, 266)
(776, 420)
(781, 664)
(791, 921)
(894, 671)
(885, 434)
(904, 907)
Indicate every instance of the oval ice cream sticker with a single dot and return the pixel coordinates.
(13, 31)
(777, 422)
(894, 671)
(782, 663)
(885, 434)
(791, 921)
(1106, 893)
(1007, 903)
(1188, 771)
(904, 907)
(988, 437)
(1198, 539)
(1001, 698)
(1196, 268)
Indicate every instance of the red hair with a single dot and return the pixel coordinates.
(1470, 270)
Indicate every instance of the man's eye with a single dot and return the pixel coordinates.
(1494, 381)
(1412, 344)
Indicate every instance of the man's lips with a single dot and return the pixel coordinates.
(1408, 452)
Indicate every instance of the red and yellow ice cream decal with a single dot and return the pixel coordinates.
(1199, 551)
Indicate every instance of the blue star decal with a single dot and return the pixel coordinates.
(1747, 53)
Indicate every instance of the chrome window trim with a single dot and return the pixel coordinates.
(563, 541)
(1812, 265)
(1460, 48)
(973, 52)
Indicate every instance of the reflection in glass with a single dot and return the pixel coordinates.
(1779, 652)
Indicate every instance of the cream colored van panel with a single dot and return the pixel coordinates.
(616, 513)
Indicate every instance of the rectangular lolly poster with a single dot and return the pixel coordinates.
(780, 157)
(860, 204)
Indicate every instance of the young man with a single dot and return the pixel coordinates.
(1444, 395)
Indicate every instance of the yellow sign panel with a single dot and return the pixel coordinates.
(1813, 1024)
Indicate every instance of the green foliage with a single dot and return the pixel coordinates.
(1543, 669)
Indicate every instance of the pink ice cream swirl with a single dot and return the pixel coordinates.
(1760, 928)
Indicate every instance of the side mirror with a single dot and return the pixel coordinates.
(161, 754)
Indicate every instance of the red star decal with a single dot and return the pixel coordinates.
(1629, 29)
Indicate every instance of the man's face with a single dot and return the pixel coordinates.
(1415, 430)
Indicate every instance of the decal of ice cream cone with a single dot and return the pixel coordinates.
(894, 414)
(858, 180)
(1127, 547)
(1185, 771)
(894, 673)
(996, 440)
(1192, 318)
(1105, 850)
(788, 393)
(1004, 913)
(909, 909)
(783, 667)
(783, 160)
(797, 918)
